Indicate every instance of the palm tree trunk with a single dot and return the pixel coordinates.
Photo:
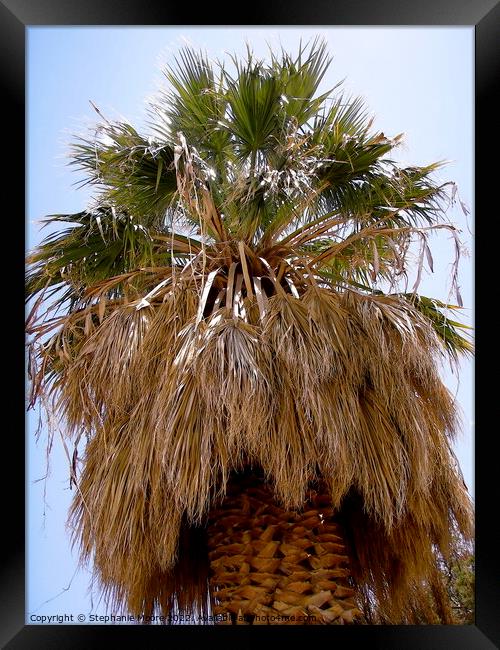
(269, 565)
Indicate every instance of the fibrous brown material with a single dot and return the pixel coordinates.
(333, 386)
(272, 566)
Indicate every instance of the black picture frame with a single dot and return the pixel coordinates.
(15, 17)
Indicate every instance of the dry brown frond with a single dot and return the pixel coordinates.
(99, 382)
(201, 380)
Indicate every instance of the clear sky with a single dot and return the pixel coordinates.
(414, 80)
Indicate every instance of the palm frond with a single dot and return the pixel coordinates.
(447, 329)
(194, 105)
(99, 244)
(135, 173)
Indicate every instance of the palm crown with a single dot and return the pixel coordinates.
(222, 307)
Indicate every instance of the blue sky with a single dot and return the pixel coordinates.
(414, 80)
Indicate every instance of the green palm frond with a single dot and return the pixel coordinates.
(254, 100)
(299, 79)
(132, 172)
(449, 331)
(194, 105)
(98, 246)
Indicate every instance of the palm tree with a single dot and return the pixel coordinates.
(268, 436)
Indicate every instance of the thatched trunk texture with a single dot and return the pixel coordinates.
(269, 565)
